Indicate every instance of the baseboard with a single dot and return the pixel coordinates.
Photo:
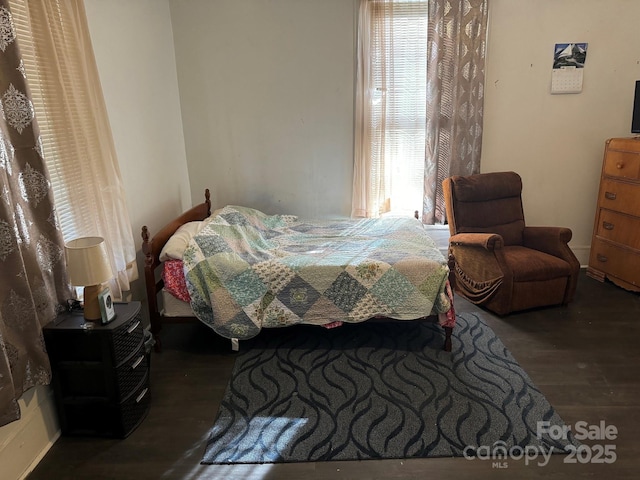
(582, 254)
(40, 456)
(25, 442)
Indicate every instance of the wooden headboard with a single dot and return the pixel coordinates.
(151, 247)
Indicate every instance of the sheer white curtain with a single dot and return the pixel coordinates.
(390, 107)
(76, 136)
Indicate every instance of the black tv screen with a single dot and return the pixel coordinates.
(635, 120)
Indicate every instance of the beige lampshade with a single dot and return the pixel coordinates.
(87, 261)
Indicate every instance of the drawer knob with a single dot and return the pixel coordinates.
(610, 195)
(602, 258)
(607, 225)
(619, 165)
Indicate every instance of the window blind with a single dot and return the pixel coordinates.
(398, 100)
(60, 116)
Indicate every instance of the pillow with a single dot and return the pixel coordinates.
(175, 247)
(174, 281)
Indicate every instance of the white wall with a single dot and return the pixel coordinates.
(556, 142)
(266, 89)
(133, 45)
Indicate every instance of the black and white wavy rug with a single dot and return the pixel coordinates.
(376, 390)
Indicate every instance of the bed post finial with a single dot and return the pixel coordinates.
(146, 247)
(207, 200)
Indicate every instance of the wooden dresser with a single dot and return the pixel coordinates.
(615, 247)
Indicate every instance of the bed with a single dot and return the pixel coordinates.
(238, 270)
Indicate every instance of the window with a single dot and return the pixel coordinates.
(398, 54)
(60, 123)
(419, 97)
(75, 135)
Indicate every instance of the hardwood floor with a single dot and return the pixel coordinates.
(584, 357)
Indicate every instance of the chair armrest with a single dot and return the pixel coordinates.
(479, 265)
(551, 240)
(488, 241)
(555, 241)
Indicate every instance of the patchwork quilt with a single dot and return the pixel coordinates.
(246, 270)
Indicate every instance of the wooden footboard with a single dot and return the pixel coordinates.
(151, 247)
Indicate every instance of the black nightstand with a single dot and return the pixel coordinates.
(100, 374)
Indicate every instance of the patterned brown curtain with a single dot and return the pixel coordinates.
(455, 70)
(33, 281)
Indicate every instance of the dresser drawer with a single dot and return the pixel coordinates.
(619, 228)
(130, 374)
(622, 164)
(91, 379)
(99, 417)
(616, 261)
(620, 197)
(127, 338)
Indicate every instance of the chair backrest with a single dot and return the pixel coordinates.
(486, 203)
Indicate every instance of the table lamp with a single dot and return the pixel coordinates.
(88, 266)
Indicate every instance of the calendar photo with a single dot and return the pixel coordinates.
(570, 55)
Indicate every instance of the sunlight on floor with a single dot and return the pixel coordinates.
(227, 472)
(282, 429)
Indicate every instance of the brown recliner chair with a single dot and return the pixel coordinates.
(500, 263)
